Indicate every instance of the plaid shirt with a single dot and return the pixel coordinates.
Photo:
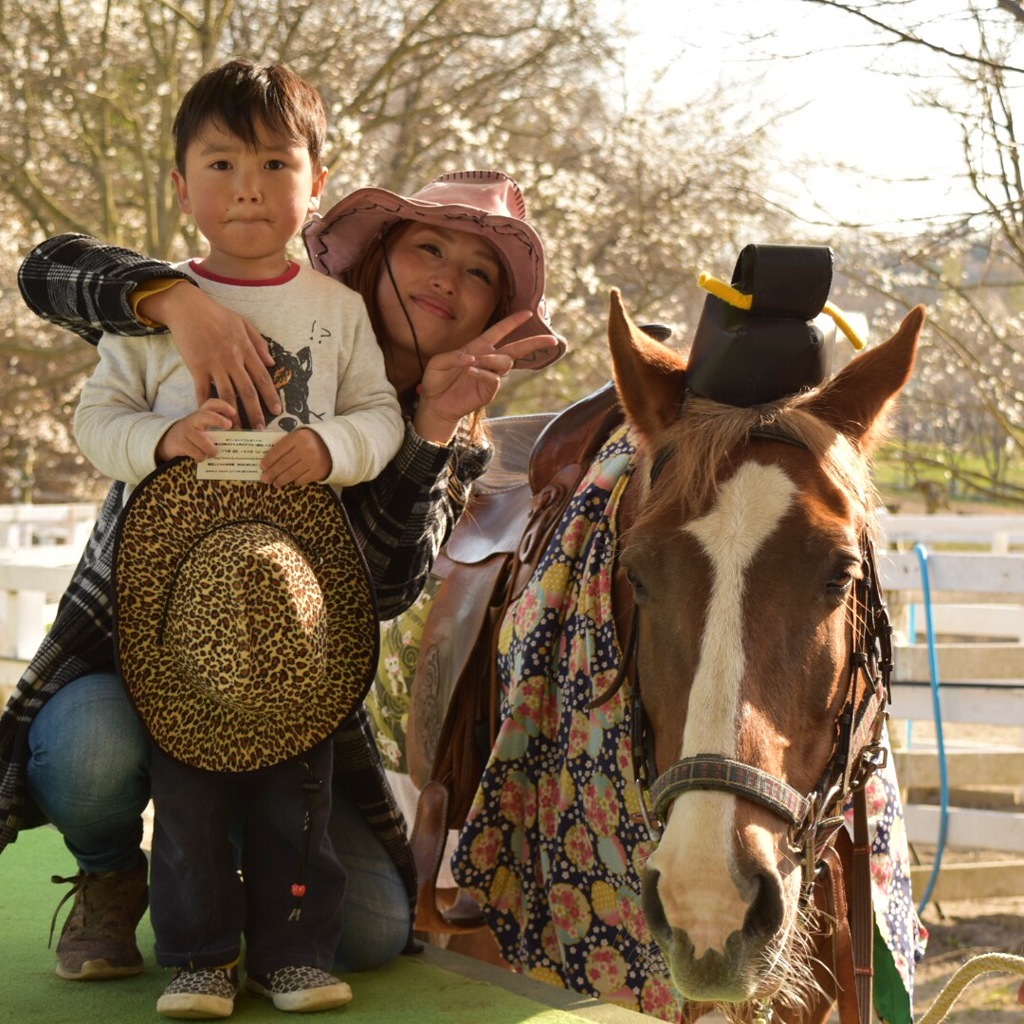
(401, 519)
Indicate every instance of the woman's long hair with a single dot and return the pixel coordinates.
(364, 276)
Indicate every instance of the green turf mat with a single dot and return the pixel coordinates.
(416, 989)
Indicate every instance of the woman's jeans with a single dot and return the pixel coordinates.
(89, 773)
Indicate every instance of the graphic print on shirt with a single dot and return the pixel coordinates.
(290, 373)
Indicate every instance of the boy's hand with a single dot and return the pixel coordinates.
(220, 348)
(300, 457)
(188, 436)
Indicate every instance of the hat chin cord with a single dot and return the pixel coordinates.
(405, 312)
(298, 888)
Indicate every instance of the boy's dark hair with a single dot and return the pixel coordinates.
(241, 97)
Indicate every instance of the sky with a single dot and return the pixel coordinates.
(901, 161)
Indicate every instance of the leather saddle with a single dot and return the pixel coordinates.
(488, 560)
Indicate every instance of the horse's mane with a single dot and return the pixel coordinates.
(707, 431)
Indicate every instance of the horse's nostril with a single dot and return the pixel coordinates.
(764, 916)
(654, 912)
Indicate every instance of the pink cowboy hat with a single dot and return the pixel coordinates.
(486, 203)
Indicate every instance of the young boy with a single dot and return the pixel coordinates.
(248, 141)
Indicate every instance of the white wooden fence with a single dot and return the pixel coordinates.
(39, 548)
(998, 534)
(975, 571)
(28, 525)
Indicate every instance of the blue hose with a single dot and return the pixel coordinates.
(922, 556)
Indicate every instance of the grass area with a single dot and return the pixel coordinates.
(936, 479)
(433, 987)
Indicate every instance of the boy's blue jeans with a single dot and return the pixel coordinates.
(89, 774)
(200, 904)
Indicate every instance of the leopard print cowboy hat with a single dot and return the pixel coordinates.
(245, 622)
(486, 203)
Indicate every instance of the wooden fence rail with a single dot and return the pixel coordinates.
(39, 548)
(998, 534)
(28, 525)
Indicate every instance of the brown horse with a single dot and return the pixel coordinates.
(749, 700)
(748, 559)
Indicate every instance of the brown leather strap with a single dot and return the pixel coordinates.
(862, 913)
(830, 879)
(854, 930)
(428, 841)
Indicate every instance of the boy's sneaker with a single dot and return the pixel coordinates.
(200, 993)
(98, 938)
(300, 989)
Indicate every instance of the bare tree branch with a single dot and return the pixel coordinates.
(901, 34)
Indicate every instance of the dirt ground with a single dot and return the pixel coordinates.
(956, 933)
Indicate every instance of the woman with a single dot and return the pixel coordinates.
(453, 279)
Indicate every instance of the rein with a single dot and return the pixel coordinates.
(814, 818)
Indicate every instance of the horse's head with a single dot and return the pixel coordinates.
(746, 555)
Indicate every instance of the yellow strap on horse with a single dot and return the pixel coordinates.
(984, 963)
(736, 298)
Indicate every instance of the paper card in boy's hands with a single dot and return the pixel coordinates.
(239, 453)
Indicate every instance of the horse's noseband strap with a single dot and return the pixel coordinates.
(713, 771)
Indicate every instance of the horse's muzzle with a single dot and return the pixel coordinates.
(732, 974)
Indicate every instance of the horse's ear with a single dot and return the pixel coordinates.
(856, 400)
(650, 376)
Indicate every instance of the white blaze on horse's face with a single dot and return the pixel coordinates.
(707, 904)
(748, 511)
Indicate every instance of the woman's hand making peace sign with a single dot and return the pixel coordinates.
(458, 383)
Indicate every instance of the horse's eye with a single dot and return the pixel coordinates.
(841, 580)
(639, 590)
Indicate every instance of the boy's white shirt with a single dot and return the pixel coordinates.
(140, 384)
